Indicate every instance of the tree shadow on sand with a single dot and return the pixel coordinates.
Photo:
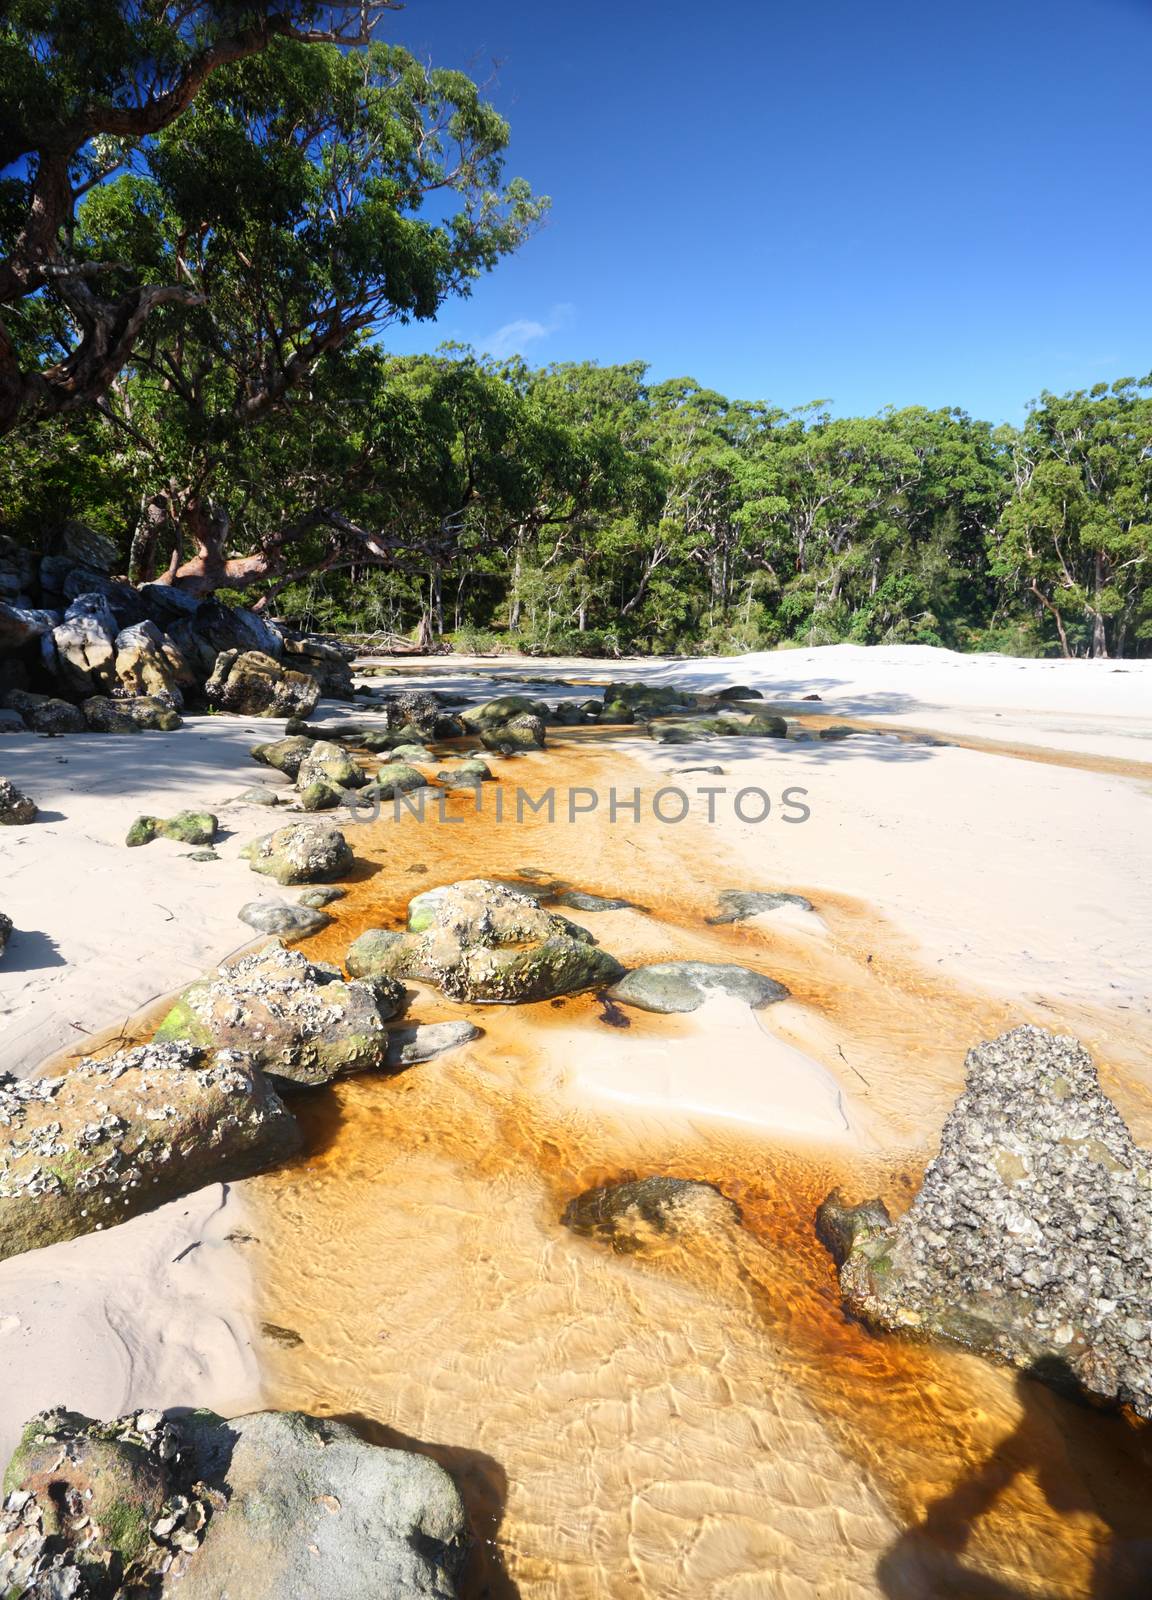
(1053, 1440)
(483, 1486)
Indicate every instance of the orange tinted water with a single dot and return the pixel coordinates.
(698, 1419)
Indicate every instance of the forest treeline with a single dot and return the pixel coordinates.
(210, 216)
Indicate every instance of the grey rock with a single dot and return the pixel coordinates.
(287, 921)
(1029, 1240)
(686, 985)
(149, 664)
(523, 732)
(130, 716)
(421, 1042)
(394, 778)
(737, 905)
(5, 931)
(318, 898)
(836, 732)
(283, 755)
(325, 762)
(259, 797)
(581, 900)
(85, 644)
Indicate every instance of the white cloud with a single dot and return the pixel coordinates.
(513, 337)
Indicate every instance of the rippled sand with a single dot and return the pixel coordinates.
(698, 1419)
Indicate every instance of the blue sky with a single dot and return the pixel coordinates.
(893, 204)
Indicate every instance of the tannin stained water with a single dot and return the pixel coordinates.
(698, 1419)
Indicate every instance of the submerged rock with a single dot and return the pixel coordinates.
(123, 1135)
(423, 1041)
(479, 940)
(1029, 1239)
(186, 827)
(263, 1507)
(297, 1018)
(629, 1216)
(736, 905)
(16, 808)
(686, 985)
(280, 918)
(581, 900)
(304, 852)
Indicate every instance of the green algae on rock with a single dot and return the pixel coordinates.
(186, 827)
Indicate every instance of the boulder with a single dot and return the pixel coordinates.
(686, 985)
(367, 955)
(85, 644)
(632, 1216)
(284, 920)
(301, 853)
(739, 691)
(43, 713)
(396, 777)
(262, 1507)
(225, 628)
(258, 797)
(130, 716)
(497, 713)
(407, 1047)
(737, 905)
(411, 752)
(16, 809)
(326, 662)
(5, 931)
(639, 702)
(256, 685)
(297, 1018)
(21, 626)
(320, 796)
(149, 664)
(283, 755)
(1028, 1241)
(18, 571)
(186, 827)
(478, 940)
(127, 1133)
(837, 731)
(329, 763)
(324, 896)
(523, 732)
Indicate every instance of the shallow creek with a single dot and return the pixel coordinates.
(697, 1419)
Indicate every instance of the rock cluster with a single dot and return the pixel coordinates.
(261, 1507)
(1030, 1240)
(480, 940)
(296, 1018)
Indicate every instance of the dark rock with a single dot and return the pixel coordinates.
(739, 692)
(1028, 1240)
(16, 809)
(5, 931)
(837, 731)
(736, 905)
(686, 985)
(43, 713)
(633, 1216)
(256, 685)
(523, 732)
(12, 722)
(580, 900)
(130, 716)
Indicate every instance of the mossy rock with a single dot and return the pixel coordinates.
(186, 827)
(320, 796)
(393, 779)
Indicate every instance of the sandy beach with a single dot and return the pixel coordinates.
(973, 864)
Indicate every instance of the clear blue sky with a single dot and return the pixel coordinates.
(897, 203)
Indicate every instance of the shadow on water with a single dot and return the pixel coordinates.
(483, 1486)
(1053, 1429)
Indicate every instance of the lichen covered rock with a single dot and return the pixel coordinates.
(297, 1019)
(303, 852)
(482, 941)
(124, 1134)
(102, 715)
(1030, 1240)
(44, 713)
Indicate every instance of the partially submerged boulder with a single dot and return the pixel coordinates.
(1029, 1239)
(394, 778)
(631, 1216)
(481, 941)
(257, 685)
(186, 827)
(297, 1018)
(408, 1046)
(303, 852)
(262, 1507)
(499, 712)
(737, 905)
(16, 808)
(124, 1134)
(686, 985)
(523, 732)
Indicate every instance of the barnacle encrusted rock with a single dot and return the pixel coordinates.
(16, 809)
(115, 1137)
(304, 852)
(479, 940)
(296, 1018)
(1031, 1238)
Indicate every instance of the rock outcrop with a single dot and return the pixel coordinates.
(122, 1135)
(1030, 1240)
(481, 941)
(296, 1018)
(258, 686)
(263, 1507)
(303, 852)
(686, 985)
(150, 665)
(85, 645)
